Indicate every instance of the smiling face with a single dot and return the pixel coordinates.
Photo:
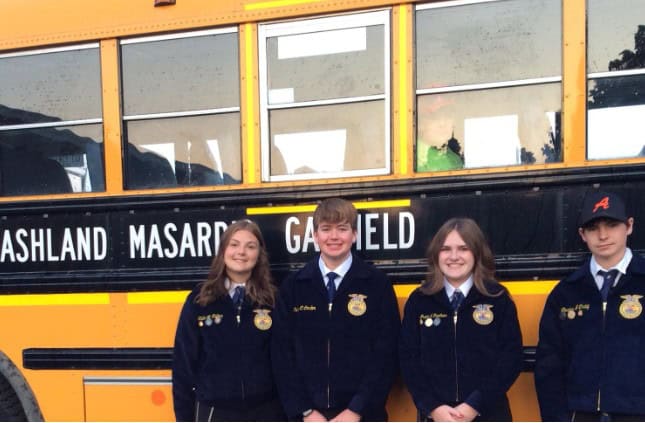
(335, 241)
(607, 239)
(456, 260)
(241, 255)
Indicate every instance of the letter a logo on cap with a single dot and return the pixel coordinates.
(604, 203)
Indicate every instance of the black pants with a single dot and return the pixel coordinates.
(270, 411)
(586, 416)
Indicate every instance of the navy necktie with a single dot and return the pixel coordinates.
(238, 296)
(457, 298)
(608, 279)
(331, 286)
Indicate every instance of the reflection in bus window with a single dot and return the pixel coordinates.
(488, 87)
(51, 137)
(307, 141)
(325, 97)
(457, 129)
(51, 160)
(183, 151)
(616, 66)
(181, 110)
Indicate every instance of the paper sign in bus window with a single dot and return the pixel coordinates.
(322, 43)
(491, 141)
(165, 150)
(616, 132)
(213, 151)
(313, 152)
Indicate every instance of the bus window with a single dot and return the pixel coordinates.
(181, 110)
(488, 87)
(51, 139)
(616, 75)
(324, 97)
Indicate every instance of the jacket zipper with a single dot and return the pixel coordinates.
(604, 317)
(454, 319)
(329, 363)
(238, 318)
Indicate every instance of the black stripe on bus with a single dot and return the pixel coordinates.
(132, 358)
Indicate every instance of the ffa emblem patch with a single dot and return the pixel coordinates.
(631, 307)
(262, 320)
(357, 305)
(483, 314)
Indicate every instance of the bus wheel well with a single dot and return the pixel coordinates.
(17, 400)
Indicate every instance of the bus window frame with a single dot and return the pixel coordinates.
(69, 123)
(373, 17)
(481, 86)
(125, 118)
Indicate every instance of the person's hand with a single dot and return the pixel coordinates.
(347, 415)
(467, 411)
(316, 416)
(445, 413)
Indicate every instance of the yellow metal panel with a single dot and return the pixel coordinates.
(574, 77)
(111, 117)
(250, 106)
(165, 297)
(402, 86)
(311, 207)
(21, 300)
(277, 3)
(128, 400)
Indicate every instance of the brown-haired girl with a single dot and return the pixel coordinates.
(221, 361)
(461, 345)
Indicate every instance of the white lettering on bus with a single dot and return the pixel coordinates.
(370, 228)
(170, 241)
(49, 245)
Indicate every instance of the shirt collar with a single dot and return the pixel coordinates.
(340, 270)
(464, 287)
(622, 265)
(230, 286)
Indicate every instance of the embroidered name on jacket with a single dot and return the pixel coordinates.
(430, 320)
(572, 312)
(300, 308)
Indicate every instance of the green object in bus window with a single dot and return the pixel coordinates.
(438, 159)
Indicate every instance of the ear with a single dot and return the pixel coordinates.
(581, 231)
(630, 225)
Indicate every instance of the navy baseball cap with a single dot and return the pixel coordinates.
(602, 204)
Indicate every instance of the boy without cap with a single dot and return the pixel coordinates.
(336, 329)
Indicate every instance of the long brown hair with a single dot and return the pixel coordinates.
(484, 268)
(259, 287)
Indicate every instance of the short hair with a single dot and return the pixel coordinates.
(335, 210)
(469, 231)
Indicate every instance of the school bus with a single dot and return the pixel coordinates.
(133, 132)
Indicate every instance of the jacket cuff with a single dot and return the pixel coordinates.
(475, 400)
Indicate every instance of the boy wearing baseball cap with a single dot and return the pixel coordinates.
(589, 364)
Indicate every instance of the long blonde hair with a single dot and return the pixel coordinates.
(484, 268)
(259, 287)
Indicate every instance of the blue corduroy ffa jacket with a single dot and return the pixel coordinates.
(474, 359)
(218, 361)
(343, 358)
(589, 360)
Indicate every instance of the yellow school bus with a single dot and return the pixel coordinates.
(133, 132)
